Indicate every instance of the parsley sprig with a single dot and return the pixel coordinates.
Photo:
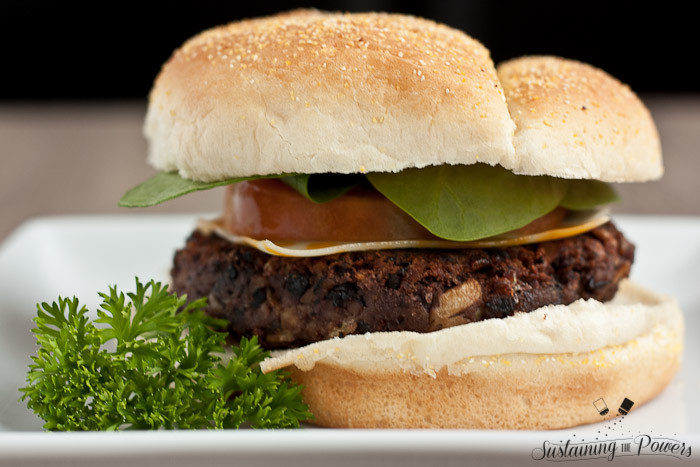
(143, 365)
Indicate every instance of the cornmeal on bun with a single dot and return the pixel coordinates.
(420, 237)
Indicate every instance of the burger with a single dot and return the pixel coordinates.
(420, 237)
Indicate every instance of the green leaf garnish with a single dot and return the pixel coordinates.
(169, 185)
(469, 202)
(321, 188)
(582, 195)
(164, 186)
(149, 366)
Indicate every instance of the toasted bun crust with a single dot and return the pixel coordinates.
(576, 121)
(523, 387)
(313, 92)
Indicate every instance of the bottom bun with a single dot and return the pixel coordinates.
(519, 390)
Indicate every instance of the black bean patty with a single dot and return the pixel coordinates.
(289, 302)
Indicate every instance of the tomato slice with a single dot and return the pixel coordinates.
(270, 209)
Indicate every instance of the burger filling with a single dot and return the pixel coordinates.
(303, 258)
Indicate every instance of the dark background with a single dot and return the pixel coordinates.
(113, 50)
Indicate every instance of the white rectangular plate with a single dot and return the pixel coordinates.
(79, 256)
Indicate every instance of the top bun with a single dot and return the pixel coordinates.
(576, 121)
(314, 92)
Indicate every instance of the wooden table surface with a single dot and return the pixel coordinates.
(80, 158)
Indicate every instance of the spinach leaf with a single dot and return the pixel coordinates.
(588, 194)
(321, 188)
(470, 202)
(169, 185)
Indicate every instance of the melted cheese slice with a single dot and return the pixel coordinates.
(574, 224)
